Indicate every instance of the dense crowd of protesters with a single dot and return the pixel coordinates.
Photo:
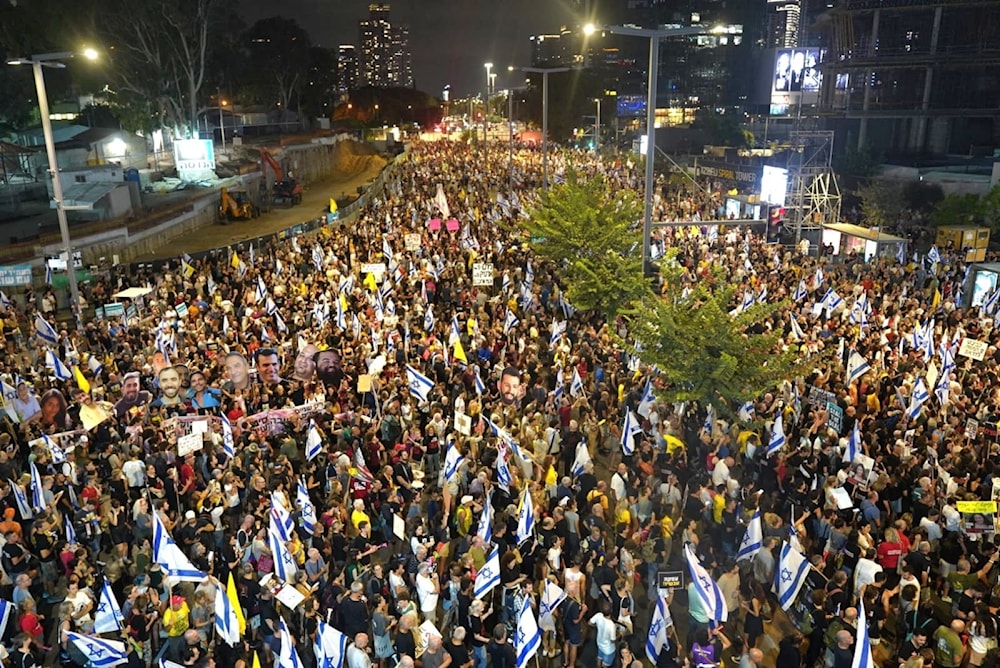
(306, 331)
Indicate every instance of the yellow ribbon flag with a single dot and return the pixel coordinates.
(235, 262)
(459, 352)
(937, 299)
(81, 382)
(187, 269)
(235, 602)
(343, 302)
(370, 283)
(256, 660)
(333, 205)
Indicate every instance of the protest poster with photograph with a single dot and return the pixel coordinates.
(978, 518)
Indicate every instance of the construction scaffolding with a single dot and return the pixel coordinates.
(813, 194)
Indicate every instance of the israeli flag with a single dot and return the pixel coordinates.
(800, 291)
(790, 575)
(529, 273)
(819, 276)
(901, 253)
(552, 597)
(228, 444)
(857, 366)
(777, 439)
(341, 315)
(990, 303)
(488, 576)
(746, 412)
(507, 439)
(287, 656)
(170, 557)
(947, 360)
(630, 428)
(285, 567)
(454, 334)
(485, 527)
(420, 385)
(863, 645)
(95, 364)
(317, 257)
(656, 638)
(108, 616)
(920, 395)
(314, 443)
(37, 493)
(331, 646)
(558, 330)
(582, 459)
(387, 250)
(576, 385)
(528, 636)
(831, 301)
(942, 389)
(70, 531)
(752, 539)
(525, 518)
(934, 255)
(503, 469)
(307, 511)
(480, 387)
(853, 443)
(227, 624)
(647, 400)
(762, 295)
(21, 499)
(100, 653)
(59, 369)
(44, 330)
(510, 321)
(6, 608)
(452, 461)
(58, 456)
(261, 289)
(282, 520)
(706, 589)
(429, 319)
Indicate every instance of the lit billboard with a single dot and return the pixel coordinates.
(774, 185)
(797, 70)
(194, 158)
(631, 105)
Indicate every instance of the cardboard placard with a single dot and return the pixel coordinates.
(398, 527)
(411, 241)
(670, 579)
(976, 506)
(364, 383)
(189, 443)
(974, 349)
(463, 424)
(377, 268)
(972, 429)
(482, 273)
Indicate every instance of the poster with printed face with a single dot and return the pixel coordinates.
(861, 470)
(304, 367)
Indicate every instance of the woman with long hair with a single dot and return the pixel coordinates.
(752, 602)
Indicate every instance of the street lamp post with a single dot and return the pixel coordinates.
(486, 99)
(510, 150)
(222, 123)
(654, 63)
(597, 126)
(37, 62)
(545, 71)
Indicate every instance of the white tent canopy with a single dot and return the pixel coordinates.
(132, 293)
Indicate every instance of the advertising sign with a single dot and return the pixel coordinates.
(193, 157)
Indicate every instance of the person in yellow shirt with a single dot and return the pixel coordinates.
(358, 514)
(176, 619)
(719, 504)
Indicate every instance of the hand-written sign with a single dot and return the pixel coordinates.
(973, 348)
(482, 273)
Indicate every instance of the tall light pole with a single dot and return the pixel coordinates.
(654, 64)
(545, 71)
(222, 123)
(37, 62)
(486, 100)
(597, 126)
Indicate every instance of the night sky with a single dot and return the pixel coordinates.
(450, 39)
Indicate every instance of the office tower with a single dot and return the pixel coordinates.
(385, 59)
(347, 67)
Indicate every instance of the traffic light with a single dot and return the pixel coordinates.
(775, 221)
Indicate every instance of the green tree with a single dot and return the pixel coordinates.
(704, 352)
(957, 210)
(590, 231)
(989, 209)
(881, 203)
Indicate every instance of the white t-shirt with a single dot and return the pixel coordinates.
(607, 633)
(426, 592)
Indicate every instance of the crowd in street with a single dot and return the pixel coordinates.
(343, 436)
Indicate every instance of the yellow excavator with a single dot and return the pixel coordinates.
(235, 204)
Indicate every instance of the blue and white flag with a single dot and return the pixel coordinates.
(228, 444)
(480, 386)
(576, 385)
(656, 637)
(37, 491)
(488, 576)
(920, 395)
(331, 646)
(281, 519)
(863, 645)
(901, 253)
(58, 456)
(314, 442)
(706, 589)
(452, 461)
(789, 575)
(504, 477)
(420, 385)
(285, 567)
(70, 531)
(762, 295)
(748, 301)
(934, 255)
(227, 623)
(746, 412)
(853, 443)
(505, 437)
(558, 330)
(94, 364)
(528, 637)
(831, 301)
(100, 653)
(6, 609)
(648, 399)
(525, 517)
(387, 250)
(777, 439)
(287, 657)
(485, 527)
(509, 322)
(21, 499)
(947, 360)
(307, 511)
(552, 597)
(630, 428)
(990, 303)
(429, 319)
(44, 330)
(59, 368)
(582, 459)
(454, 332)
(942, 388)
(857, 366)
(753, 539)
(261, 289)
(170, 557)
(800, 291)
(819, 276)
(108, 616)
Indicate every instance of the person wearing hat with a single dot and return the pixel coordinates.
(463, 515)
(176, 620)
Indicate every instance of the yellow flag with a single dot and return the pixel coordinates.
(937, 299)
(370, 283)
(343, 302)
(235, 602)
(81, 382)
(235, 262)
(256, 660)
(187, 269)
(333, 205)
(459, 352)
